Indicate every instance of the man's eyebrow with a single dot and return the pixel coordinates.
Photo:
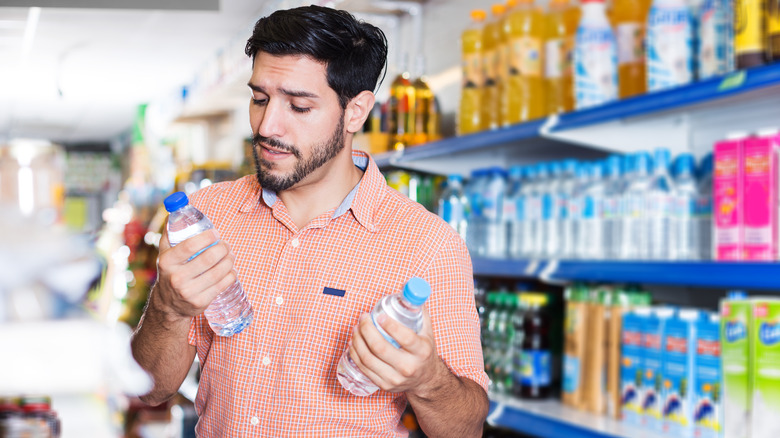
(293, 93)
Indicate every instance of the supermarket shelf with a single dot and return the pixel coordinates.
(551, 419)
(748, 275)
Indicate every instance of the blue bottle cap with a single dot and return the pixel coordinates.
(516, 172)
(583, 170)
(662, 158)
(531, 172)
(642, 162)
(556, 168)
(416, 291)
(543, 169)
(175, 201)
(613, 166)
(455, 177)
(737, 295)
(597, 170)
(705, 167)
(570, 166)
(684, 164)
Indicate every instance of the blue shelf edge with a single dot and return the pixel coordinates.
(538, 425)
(748, 275)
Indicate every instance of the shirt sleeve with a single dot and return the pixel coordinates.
(453, 313)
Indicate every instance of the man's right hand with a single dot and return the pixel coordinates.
(186, 287)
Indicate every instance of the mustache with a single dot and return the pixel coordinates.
(259, 140)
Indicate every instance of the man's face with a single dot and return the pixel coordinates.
(297, 122)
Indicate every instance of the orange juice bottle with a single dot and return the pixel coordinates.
(503, 62)
(526, 89)
(562, 21)
(491, 49)
(471, 93)
(629, 19)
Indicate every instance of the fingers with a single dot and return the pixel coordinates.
(366, 344)
(194, 247)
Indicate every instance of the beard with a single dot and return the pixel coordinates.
(321, 153)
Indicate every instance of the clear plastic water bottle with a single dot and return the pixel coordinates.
(404, 307)
(686, 244)
(658, 208)
(565, 228)
(591, 240)
(530, 210)
(634, 245)
(577, 207)
(453, 205)
(230, 312)
(493, 208)
(610, 210)
(551, 214)
(475, 240)
(704, 208)
(536, 209)
(513, 211)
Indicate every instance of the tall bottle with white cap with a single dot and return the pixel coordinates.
(230, 312)
(658, 208)
(404, 307)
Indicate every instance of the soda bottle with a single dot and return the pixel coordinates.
(670, 52)
(453, 205)
(561, 29)
(630, 23)
(527, 100)
(595, 58)
(535, 361)
(658, 208)
(716, 38)
(504, 351)
(230, 312)
(686, 245)
(749, 33)
(404, 307)
(491, 49)
(469, 118)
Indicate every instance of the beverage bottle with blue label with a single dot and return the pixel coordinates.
(530, 202)
(513, 210)
(453, 205)
(595, 58)
(550, 214)
(591, 238)
(670, 52)
(404, 307)
(658, 208)
(716, 38)
(536, 366)
(634, 242)
(704, 208)
(230, 312)
(686, 245)
(493, 208)
(610, 210)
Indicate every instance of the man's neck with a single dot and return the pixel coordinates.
(323, 190)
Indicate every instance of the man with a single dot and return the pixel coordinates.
(316, 238)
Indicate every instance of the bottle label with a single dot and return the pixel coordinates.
(631, 42)
(595, 67)
(510, 211)
(571, 374)
(472, 70)
(748, 26)
(555, 58)
(670, 47)
(526, 57)
(535, 369)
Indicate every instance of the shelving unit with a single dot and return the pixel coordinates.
(753, 275)
(551, 419)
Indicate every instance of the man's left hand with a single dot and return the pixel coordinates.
(415, 367)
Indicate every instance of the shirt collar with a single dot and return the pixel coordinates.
(361, 200)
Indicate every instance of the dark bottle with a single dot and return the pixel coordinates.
(535, 360)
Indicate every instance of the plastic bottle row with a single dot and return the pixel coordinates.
(524, 63)
(632, 207)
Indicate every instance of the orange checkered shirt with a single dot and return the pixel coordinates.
(278, 377)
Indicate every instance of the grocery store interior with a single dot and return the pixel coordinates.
(612, 166)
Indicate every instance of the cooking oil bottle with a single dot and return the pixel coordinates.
(426, 111)
(401, 112)
(491, 49)
(562, 21)
(630, 24)
(526, 89)
(503, 61)
(471, 93)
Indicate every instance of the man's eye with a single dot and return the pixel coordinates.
(259, 102)
(299, 109)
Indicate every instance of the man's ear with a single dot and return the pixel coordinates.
(357, 111)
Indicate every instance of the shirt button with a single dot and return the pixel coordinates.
(295, 242)
(266, 360)
(279, 300)
(255, 421)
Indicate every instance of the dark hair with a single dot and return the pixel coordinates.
(354, 52)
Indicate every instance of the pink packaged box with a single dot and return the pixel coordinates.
(727, 197)
(759, 205)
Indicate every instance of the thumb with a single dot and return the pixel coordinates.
(427, 326)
